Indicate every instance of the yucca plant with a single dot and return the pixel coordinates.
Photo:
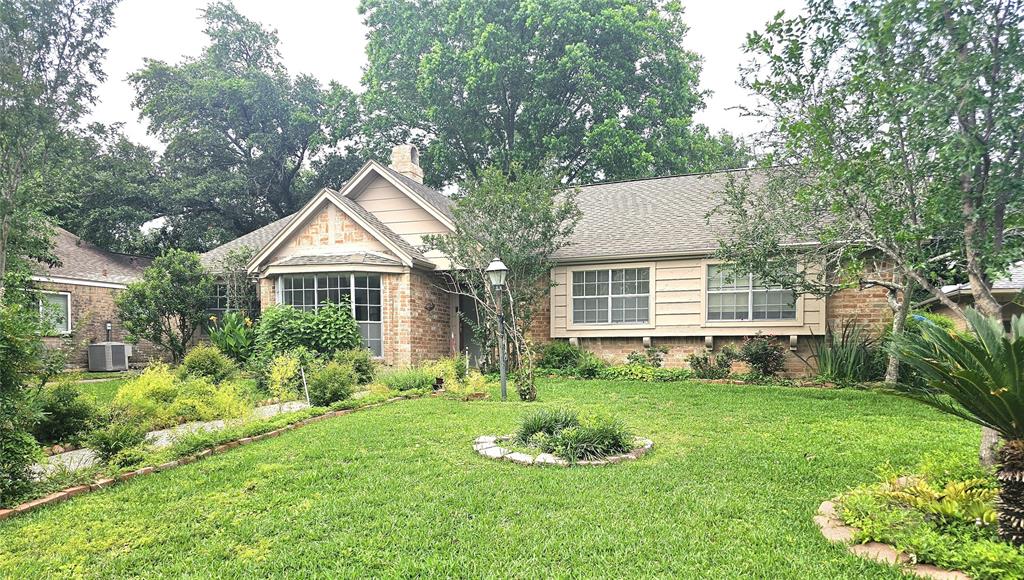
(979, 378)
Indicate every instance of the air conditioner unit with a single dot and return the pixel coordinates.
(109, 356)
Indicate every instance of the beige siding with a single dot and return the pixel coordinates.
(677, 306)
(399, 212)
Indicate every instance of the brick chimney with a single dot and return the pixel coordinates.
(405, 159)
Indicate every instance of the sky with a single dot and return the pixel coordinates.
(326, 38)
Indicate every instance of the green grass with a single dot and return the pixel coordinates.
(728, 491)
(103, 392)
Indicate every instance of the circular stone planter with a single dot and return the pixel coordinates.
(490, 447)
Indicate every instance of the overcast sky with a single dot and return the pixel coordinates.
(326, 39)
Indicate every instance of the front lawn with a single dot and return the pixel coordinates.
(728, 491)
(103, 392)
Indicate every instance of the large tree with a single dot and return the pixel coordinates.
(49, 63)
(899, 128)
(596, 89)
(241, 134)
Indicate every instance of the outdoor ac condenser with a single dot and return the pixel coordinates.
(109, 356)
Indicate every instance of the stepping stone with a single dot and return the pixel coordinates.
(878, 552)
(522, 458)
(493, 452)
(482, 446)
(936, 573)
(485, 439)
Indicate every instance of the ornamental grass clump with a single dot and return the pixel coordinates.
(979, 378)
(563, 433)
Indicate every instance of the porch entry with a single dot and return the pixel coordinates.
(309, 291)
(468, 343)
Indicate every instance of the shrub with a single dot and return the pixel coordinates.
(559, 354)
(129, 457)
(707, 365)
(208, 362)
(330, 383)
(361, 361)
(234, 335)
(845, 355)
(404, 379)
(590, 366)
(114, 438)
(644, 373)
(282, 328)
(332, 328)
(147, 395)
(284, 378)
(524, 384)
(66, 414)
(547, 421)
(652, 356)
(452, 369)
(592, 439)
(765, 355)
(200, 400)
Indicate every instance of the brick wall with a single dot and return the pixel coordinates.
(91, 308)
(268, 293)
(539, 332)
(868, 308)
(430, 319)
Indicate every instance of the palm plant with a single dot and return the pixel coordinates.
(979, 378)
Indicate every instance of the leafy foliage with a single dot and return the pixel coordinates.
(546, 421)
(330, 383)
(843, 355)
(234, 335)
(765, 355)
(644, 373)
(592, 89)
(405, 379)
(593, 438)
(708, 365)
(20, 349)
(208, 362)
(652, 356)
(168, 304)
(283, 329)
(559, 354)
(524, 384)
(158, 398)
(114, 438)
(361, 361)
(66, 414)
(241, 133)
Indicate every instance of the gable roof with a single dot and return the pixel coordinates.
(80, 260)
(652, 217)
(437, 200)
(357, 211)
(254, 240)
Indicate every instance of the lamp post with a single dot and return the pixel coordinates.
(498, 273)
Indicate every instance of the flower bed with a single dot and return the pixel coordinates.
(489, 446)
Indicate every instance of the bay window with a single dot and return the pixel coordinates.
(310, 291)
(745, 297)
(611, 296)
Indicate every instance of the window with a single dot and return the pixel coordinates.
(745, 297)
(219, 300)
(611, 296)
(309, 291)
(55, 308)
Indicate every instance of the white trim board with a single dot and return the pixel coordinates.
(77, 282)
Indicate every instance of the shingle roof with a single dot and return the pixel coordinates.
(436, 199)
(1014, 280)
(338, 259)
(83, 261)
(254, 240)
(657, 216)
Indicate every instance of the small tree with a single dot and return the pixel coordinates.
(20, 353)
(524, 221)
(169, 304)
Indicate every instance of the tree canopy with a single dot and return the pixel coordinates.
(243, 137)
(597, 89)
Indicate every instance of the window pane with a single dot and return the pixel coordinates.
(55, 309)
(719, 278)
(728, 306)
(774, 305)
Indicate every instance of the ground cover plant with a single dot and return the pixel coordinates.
(729, 491)
(563, 433)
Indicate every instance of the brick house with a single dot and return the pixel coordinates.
(639, 271)
(78, 294)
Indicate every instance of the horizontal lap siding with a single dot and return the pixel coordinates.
(399, 212)
(678, 287)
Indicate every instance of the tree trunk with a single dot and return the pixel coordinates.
(987, 305)
(5, 232)
(899, 321)
(1011, 492)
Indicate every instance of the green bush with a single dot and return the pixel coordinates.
(592, 439)
(644, 373)
(361, 361)
(114, 438)
(404, 379)
(66, 414)
(845, 354)
(525, 385)
(332, 328)
(765, 356)
(200, 400)
(207, 362)
(707, 365)
(559, 354)
(652, 356)
(234, 335)
(547, 421)
(129, 457)
(453, 370)
(322, 333)
(282, 328)
(330, 383)
(149, 394)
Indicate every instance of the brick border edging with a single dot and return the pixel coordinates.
(837, 532)
(487, 446)
(68, 493)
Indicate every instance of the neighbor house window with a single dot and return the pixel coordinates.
(55, 308)
(219, 300)
(620, 296)
(310, 291)
(734, 296)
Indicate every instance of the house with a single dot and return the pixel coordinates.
(639, 271)
(78, 295)
(1008, 290)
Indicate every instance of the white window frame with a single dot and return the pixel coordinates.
(797, 318)
(627, 324)
(279, 291)
(70, 324)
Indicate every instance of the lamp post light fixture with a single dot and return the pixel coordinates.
(498, 273)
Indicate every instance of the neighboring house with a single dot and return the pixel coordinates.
(78, 294)
(639, 270)
(1009, 291)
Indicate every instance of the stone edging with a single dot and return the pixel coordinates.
(65, 494)
(838, 532)
(487, 445)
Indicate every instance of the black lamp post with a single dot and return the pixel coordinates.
(498, 273)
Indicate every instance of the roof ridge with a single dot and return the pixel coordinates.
(674, 175)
